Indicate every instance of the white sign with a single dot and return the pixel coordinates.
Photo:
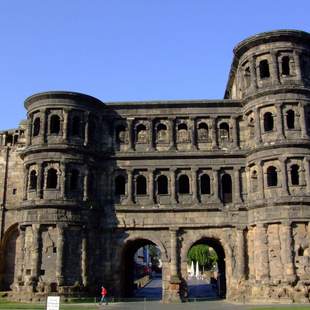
(53, 303)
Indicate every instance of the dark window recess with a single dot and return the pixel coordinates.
(120, 134)
(91, 185)
(226, 188)
(76, 126)
(247, 77)
(28, 272)
(14, 191)
(300, 251)
(52, 178)
(141, 185)
(36, 127)
(74, 180)
(15, 139)
(92, 130)
(268, 122)
(205, 184)
(54, 249)
(290, 119)
(55, 124)
(33, 179)
(224, 132)
(295, 174)
(42, 272)
(182, 126)
(162, 185)
(286, 65)
(264, 69)
(183, 184)
(272, 176)
(120, 185)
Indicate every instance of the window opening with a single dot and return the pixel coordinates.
(205, 184)
(141, 185)
(141, 133)
(121, 134)
(264, 69)
(268, 122)
(74, 179)
(295, 174)
(224, 132)
(203, 132)
(33, 180)
(272, 176)
(254, 181)
(76, 126)
(120, 185)
(290, 119)
(162, 185)
(55, 124)
(183, 184)
(36, 127)
(286, 65)
(161, 133)
(226, 188)
(247, 77)
(52, 178)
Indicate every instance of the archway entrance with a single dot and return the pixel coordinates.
(141, 270)
(206, 274)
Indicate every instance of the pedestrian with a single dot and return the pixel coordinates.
(103, 296)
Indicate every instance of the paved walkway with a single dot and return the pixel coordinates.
(200, 289)
(152, 291)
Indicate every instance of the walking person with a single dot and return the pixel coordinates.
(103, 296)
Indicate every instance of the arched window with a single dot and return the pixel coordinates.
(52, 178)
(272, 176)
(224, 132)
(36, 126)
(247, 77)
(55, 124)
(120, 185)
(141, 185)
(183, 184)
(203, 132)
(121, 134)
(76, 126)
(162, 185)
(286, 65)
(183, 133)
(74, 180)
(33, 180)
(290, 119)
(226, 188)
(162, 133)
(92, 129)
(141, 134)
(295, 174)
(268, 121)
(264, 69)
(205, 184)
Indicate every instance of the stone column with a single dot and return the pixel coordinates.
(130, 134)
(215, 185)
(172, 186)
(130, 182)
(237, 189)
(286, 252)
(240, 253)
(29, 130)
(26, 181)
(284, 175)
(296, 56)
(21, 255)
(261, 253)
(65, 125)
(35, 253)
(253, 73)
(261, 187)
(258, 135)
(193, 134)
(171, 134)
(279, 122)
(302, 121)
(86, 128)
(248, 180)
(174, 253)
(85, 185)
(42, 125)
(84, 259)
(213, 133)
(194, 185)
(40, 181)
(151, 186)
(59, 258)
(307, 173)
(63, 181)
(151, 135)
(235, 131)
(274, 68)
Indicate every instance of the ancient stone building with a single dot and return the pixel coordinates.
(84, 184)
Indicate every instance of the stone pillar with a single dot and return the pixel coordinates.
(130, 182)
(235, 131)
(215, 185)
(35, 253)
(258, 135)
(63, 181)
(171, 134)
(261, 187)
(130, 133)
(40, 181)
(279, 122)
(151, 135)
(286, 252)
(151, 186)
(26, 181)
(84, 259)
(253, 73)
(248, 180)
(21, 255)
(284, 175)
(307, 173)
(59, 258)
(42, 125)
(85, 185)
(302, 121)
(172, 186)
(29, 130)
(193, 134)
(261, 253)
(237, 189)
(65, 125)
(274, 68)
(296, 56)
(194, 185)
(240, 253)
(86, 128)
(213, 134)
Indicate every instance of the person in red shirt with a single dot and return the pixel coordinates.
(103, 296)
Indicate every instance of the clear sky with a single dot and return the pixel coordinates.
(124, 50)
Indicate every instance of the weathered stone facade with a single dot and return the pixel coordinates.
(84, 184)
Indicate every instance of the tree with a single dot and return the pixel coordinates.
(205, 256)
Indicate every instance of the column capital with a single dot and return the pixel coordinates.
(174, 229)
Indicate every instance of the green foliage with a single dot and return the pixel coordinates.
(202, 254)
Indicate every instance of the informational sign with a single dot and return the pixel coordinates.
(53, 303)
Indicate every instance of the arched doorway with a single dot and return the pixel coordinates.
(141, 270)
(206, 272)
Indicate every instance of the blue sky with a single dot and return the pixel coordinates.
(125, 50)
